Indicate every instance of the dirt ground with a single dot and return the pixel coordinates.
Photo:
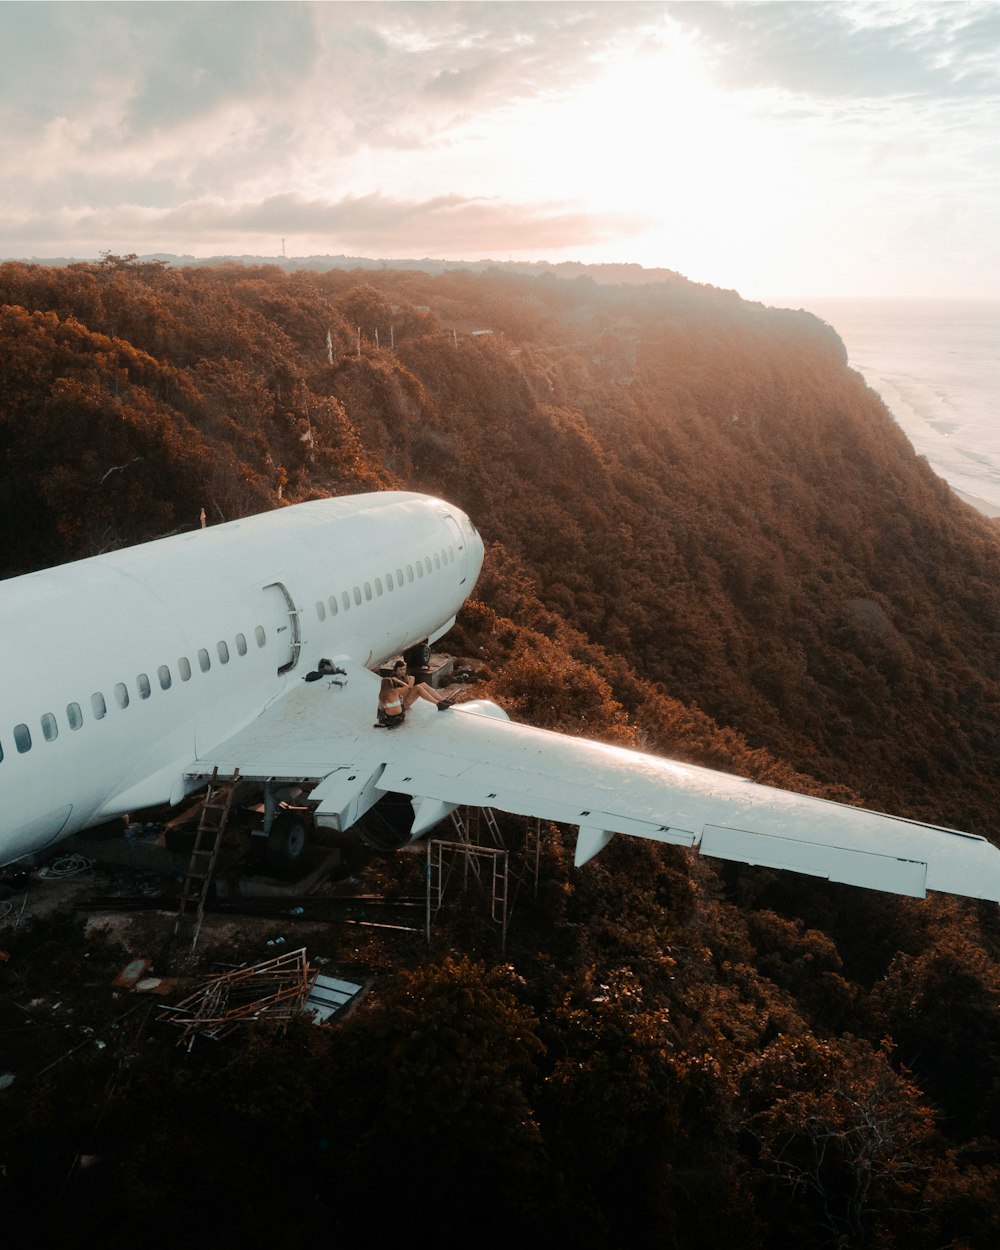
(359, 914)
(81, 949)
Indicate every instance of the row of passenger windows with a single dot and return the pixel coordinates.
(121, 695)
(377, 587)
(144, 688)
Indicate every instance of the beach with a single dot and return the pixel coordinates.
(936, 366)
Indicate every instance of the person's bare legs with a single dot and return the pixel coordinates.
(423, 691)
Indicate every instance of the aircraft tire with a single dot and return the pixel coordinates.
(287, 841)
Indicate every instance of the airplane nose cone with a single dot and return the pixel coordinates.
(477, 553)
(475, 549)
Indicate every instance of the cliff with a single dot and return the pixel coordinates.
(706, 537)
(697, 486)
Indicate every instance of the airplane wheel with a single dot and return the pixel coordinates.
(286, 843)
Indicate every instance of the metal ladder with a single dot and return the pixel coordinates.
(204, 853)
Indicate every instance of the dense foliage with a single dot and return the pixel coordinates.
(707, 538)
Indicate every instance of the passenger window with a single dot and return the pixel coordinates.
(204, 663)
(345, 599)
(368, 590)
(98, 706)
(333, 605)
(223, 652)
(241, 644)
(427, 563)
(74, 715)
(420, 569)
(399, 577)
(142, 682)
(378, 585)
(50, 730)
(121, 694)
(388, 581)
(357, 595)
(437, 561)
(22, 738)
(409, 572)
(320, 610)
(163, 672)
(259, 634)
(184, 668)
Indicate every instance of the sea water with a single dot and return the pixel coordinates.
(936, 365)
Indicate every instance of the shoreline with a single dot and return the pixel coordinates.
(987, 509)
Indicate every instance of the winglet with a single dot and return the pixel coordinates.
(588, 842)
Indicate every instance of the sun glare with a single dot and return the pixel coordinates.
(654, 139)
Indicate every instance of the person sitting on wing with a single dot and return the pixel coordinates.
(400, 691)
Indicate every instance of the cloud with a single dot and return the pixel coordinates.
(445, 226)
(199, 57)
(469, 128)
(850, 49)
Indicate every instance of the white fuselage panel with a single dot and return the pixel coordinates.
(117, 670)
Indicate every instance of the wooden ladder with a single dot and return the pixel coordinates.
(204, 853)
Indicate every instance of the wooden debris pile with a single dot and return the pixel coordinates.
(275, 991)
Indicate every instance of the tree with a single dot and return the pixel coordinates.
(842, 1136)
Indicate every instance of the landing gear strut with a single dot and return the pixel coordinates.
(286, 830)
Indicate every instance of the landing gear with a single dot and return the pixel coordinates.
(286, 842)
(283, 837)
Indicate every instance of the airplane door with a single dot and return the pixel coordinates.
(284, 618)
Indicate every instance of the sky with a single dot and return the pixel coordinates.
(773, 148)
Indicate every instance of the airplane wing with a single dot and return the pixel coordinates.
(324, 733)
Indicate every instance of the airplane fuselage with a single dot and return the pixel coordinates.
(117, 670)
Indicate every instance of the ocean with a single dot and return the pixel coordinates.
(936, 364)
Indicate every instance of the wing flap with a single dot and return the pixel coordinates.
(863, 868)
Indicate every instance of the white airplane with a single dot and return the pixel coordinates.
(127, 678)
